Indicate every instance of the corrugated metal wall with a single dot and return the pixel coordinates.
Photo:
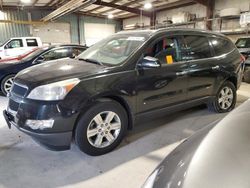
(14, 30)
(8, 30)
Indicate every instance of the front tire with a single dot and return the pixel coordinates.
(7, 83)
(225, 99)
(102, 128)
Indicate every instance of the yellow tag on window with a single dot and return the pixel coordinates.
(169, 59)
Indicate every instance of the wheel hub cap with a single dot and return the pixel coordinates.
(104, 129)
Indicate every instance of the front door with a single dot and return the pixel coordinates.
(14, 48)
(164, 86)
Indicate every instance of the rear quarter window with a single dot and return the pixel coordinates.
(221, 46)
(31, 42)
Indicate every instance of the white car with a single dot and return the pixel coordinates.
(18, 46)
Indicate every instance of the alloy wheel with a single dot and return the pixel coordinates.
(226, 98)
(104, 129)
(8, 84)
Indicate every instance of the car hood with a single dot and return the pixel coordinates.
(58, 70)
(216, 157)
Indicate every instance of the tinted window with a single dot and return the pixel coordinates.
(243, 43)
(56, 54)
(221, 46)
(15, 43)
(31, 42)
(197, 47)
(167, 50)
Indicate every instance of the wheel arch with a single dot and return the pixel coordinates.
(115, 98)
(124, 104)
(234, 80)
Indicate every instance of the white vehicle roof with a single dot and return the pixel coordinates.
(25, 38)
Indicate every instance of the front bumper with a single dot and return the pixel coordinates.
(57, 141)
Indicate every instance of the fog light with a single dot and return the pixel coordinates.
(39, 124)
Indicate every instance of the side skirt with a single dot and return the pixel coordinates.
(173, 108)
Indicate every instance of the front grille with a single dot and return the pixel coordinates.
(19, 90)
(13, 105)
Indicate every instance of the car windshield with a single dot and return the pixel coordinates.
(113, 50)
(243, 43)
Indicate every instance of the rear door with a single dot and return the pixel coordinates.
(164, 86)
(202, 65)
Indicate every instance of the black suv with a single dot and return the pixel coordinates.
(243, 44)
(97, 97)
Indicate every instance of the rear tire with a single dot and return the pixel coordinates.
(225, 99)
(102, 128)
(7, 83)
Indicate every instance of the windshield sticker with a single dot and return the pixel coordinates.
(136, 38)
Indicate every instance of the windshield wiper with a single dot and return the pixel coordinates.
(91, 61)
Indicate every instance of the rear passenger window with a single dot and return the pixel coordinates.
(221, 46)
(197, 47)
(31, 42)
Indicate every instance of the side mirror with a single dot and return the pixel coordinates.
(149, 63)
(40, 59)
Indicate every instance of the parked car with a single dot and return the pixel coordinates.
(8, 70)
(96, 97)
(216, 156)
(20, 57)
(18, 46)
(243, 44)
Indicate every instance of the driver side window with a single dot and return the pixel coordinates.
(56, 54)
(167, 50)
(15, 43)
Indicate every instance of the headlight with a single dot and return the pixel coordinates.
(54, 91)
(151, 179)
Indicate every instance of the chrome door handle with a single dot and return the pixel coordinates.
(217, 67)
(181, 73)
